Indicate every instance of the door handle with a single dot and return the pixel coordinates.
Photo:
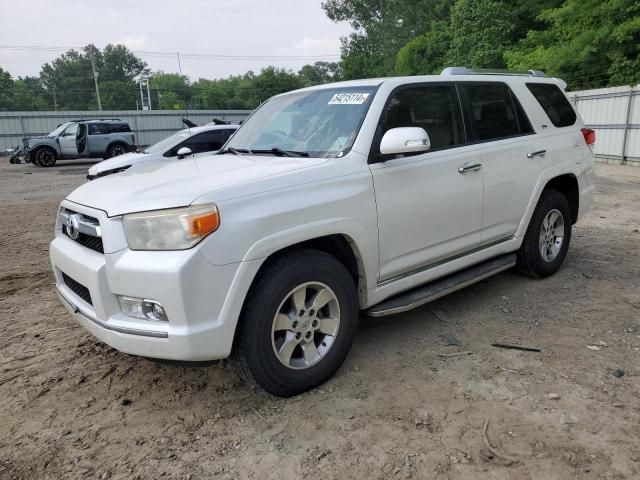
(470, 168)
(537, 153)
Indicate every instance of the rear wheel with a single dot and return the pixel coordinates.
(546, 242)
(116, 149)
(297, 324)
(45, 157)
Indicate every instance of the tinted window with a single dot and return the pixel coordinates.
(226, 134)
(434, 108)
(554, 103)
(204, 142)
(495, 112)
(97, 129)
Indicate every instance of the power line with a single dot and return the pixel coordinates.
(191, 56)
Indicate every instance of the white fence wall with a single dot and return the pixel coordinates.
(149, 126)
(614, 113)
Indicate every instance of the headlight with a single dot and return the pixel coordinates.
(172, 229)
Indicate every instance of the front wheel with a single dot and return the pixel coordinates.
(45, 157)
(547, 239)
(297, 324)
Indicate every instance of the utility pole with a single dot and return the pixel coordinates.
(95, 80)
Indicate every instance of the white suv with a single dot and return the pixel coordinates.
(370, 195)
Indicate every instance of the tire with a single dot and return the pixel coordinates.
(45, 157)
(116, 149)
(543, 250)
(258, 353)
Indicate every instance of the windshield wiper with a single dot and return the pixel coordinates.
(235, 151)
(282, 153)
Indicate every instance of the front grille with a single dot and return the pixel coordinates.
(94, 243)
(89, 241)
(77, 288)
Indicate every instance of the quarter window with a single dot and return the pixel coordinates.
(554, 103)
(495, 112)
(434, 108)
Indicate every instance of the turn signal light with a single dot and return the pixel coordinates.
(202, 225)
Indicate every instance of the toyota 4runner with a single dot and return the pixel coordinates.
(372, 196)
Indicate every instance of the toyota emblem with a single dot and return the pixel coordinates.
(73, 226)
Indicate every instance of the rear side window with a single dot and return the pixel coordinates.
(119, 128)
(495, 112)
(554, 103)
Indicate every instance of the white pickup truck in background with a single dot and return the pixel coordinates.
(371, 195)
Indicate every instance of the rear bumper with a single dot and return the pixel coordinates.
(194, 293)
(586, 185)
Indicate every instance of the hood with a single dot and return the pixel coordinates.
(120, 161)
(152, 186)
(29, 139)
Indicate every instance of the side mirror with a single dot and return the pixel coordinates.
(183, 152)
(405, 140)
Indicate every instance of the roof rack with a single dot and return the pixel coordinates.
(96, 120)
(484, 71)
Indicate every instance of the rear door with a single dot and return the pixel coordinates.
(503, 135)
(98, 138)
(429, 204)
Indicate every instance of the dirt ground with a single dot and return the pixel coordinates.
(71, 407)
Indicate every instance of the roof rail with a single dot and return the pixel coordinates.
(96, 120)
(484, 71)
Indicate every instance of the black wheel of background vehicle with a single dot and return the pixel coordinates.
(297, 324)
(116, 149)
(547, 239)
(45, 157)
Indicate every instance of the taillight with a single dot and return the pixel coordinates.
(589, 136)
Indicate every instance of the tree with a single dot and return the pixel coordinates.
(481, 30)
(425, 54)
(589, 43)
(6, 90)
(319, 73)
(382, 28)
(70, 77)
(169, 91)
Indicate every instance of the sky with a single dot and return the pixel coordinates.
(292, 32)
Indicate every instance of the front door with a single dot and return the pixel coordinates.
(67, 141)
(429, 204)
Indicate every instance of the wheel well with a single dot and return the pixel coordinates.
(116, 142)
(567, 185)
(35, 151)
(338, 246)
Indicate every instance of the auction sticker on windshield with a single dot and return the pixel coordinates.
(349, 99)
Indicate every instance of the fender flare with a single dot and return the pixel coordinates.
(544, 179)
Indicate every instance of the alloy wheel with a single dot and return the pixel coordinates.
(305, 325)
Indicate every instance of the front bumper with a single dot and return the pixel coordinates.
(194, 293)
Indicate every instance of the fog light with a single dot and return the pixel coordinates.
(142, 308)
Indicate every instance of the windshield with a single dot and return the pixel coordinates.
(320, 123)
(164, 145)
(59, 129)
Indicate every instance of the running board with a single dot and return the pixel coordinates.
(439, 288)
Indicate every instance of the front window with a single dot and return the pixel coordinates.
(58, 130)
(71, 130)
(317, 123)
